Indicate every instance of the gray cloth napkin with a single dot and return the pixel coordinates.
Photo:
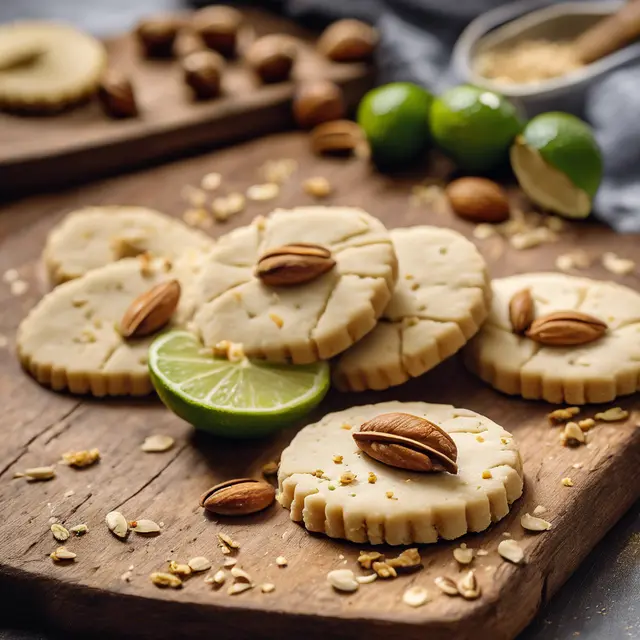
(417, 37)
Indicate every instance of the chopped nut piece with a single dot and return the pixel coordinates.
(479, 438)
(567, 482)
(573, 260)
(277, 320)
(415, 596)
(229, 562)
(270, 469)
(510, 550)
(179, 569)
(620, 266)
(157, 443)
(267, 587)
(211, 181)
(468, 586)
(408, 559)
(225, 207)
(165, 580)
(197, 217)
(60, 533)
(562, 415)
(81, 459)
(482, 552)
(539, 510)
(194, 196)
(531, 523)
(587, 424)
(240, 575)
(261, 192)
(144, 526)
(532, 238)
(346, 426)
(338, 459)
(446, 585)
(577, 465)
(239, 587)
(219, 578)
(343, 580)
(384, 570)
(366, 558)
(389, 495)
(463, 555)
(317, 187)
(368, 579)
(615, 414)
(372, 478)
(486, 474)
(117, 524)
(572, 436)
(79, 529)
(281, 561)
(318, 473)
(36, 474)
(126, 576)
(278, 170)
(483, 231)
(228, 541)
(347, 478)
(61, 554)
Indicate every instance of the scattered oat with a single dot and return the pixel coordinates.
(368, 579)
(240, 575)
(229, 562)
(468, 586)
(19, 287)
(415, 596)
(572, 436)
(615, 414)
(60, 533)
(384, 570)
(483, 231)
(267, 587)
(486, 474)
(278, 170)
(532, 238)
(620, 266)
(532, 523)
(482, 552)
(61, 554)
(239, 587)
(562, 415)
(197, 218)
(567, 482)
(211, 181)
(366, 558)
(179, 569)
(446, 585)
(36, 474)
(144, 526)
(573, 260)
(277, 320)
(225, 207)
(164, 580)
(372, 478)
(429, 195)
(228, 541)
(539, 510)
(157, 443)
(79, 529)
(80, 459)
(117, 524)
(218, 578)
(463, 554)
(317, 187)
(270, 468)
(510, 550)
(343, 580)
(261, 192)
(347, 478)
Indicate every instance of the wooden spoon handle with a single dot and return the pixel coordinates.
(610, 34)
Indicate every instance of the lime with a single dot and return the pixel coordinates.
(243, 399)
(558, 163)
(395, 119)
(474, 126)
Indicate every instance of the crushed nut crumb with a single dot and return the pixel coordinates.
(366, 558)
(281, 561)
(261, 192)
(277, 320)
(270, 468)
(62, 554)
(165, 580)
(211, 181)
(317, 187)
(267, 587)
(567, 482)
(384, 570)
(338, 459)
(486, 474)
(347, 478)
(415, 596)
(572, 436)
(157, 443)
(80, 459)
(620, 266)
(587, 424)
(562, 415)
(615, 414)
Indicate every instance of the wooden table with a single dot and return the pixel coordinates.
(90, 595)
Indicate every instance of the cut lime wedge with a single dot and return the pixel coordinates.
(243, 399)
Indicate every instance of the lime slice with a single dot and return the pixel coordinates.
(475, 127)
(558, 163)
(243, 399)
(395, 119)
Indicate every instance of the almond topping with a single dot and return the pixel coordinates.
(566, 328)
(151, 310)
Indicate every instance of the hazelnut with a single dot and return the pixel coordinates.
(218, 27)
(348, 41)
(272, 57)
(157, 35)
(202, 72)
(318, 101)
(187, 42)
(116, 95)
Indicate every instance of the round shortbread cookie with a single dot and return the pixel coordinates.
(594, 372)
(92, 237)
(400, 507)
(441, 298)
(46, 66)
(306, 322)
(71, 341)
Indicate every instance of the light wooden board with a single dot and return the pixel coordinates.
(82, 143)
(37, 426)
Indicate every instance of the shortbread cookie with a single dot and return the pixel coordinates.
(92, 237)
(441, 299)
(306, 322)
(386, 504)
(71, 339)
(46, 66)
(594, 372)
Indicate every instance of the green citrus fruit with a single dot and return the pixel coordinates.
(395, 119)
(558, 163)
(243, 399)
(475, 127)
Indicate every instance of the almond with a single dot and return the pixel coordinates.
(478, 200)
(521, 311)
(238, 497)
(151, 310)
(272, 57)
(339, 137)
(294, 264)
(318, 101)
(566, 328)
(348, 41)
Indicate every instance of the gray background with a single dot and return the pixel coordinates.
(601, 601)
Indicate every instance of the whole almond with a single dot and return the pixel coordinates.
(348, 41)
(566, 328)
(338, 137)
(238, 497)
(116, 95)
(272, 57)
(187, 41)
(521, 311)
(151, 310)
(219, 27)
(294, 264)
(202, 71)
(408, 442)
(317, 101)
(478, 200)
(157, 35)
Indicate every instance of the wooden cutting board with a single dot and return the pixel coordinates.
(44, 152)
(90, 596)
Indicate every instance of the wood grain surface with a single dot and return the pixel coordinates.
(89, 595)
(82, 143)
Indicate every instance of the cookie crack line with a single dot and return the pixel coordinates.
(321, 313)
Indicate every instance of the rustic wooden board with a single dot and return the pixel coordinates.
(89, 596)
(43, 152)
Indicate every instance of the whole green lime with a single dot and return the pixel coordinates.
(395, 120)
(475, 127)
(558, 163)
